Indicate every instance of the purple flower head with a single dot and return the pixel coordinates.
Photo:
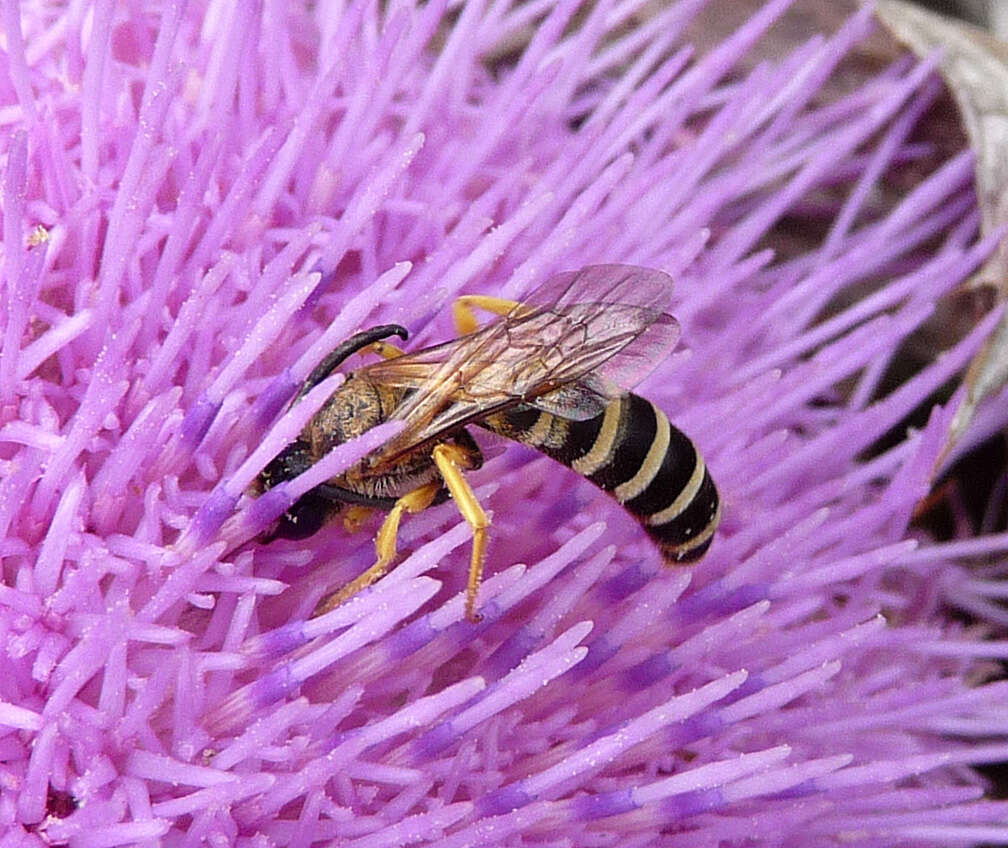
(201, 200)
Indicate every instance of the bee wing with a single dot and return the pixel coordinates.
(623, 308)
(629, 285)
(578, 401)
(535, 354)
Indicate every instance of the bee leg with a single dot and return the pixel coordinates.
(355, 516)
(450, 459)
(462, 310)
(385, 546)
(382, 349)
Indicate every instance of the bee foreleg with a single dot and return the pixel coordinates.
(465, 318)
(385, 545)
(355, 516)
(450, 459)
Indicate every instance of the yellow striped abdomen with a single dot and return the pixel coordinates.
(632, 452)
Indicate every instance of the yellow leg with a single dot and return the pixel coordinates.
(465, 319)
(450, 459)
(355, 517)
(383, 349)
(385, 546)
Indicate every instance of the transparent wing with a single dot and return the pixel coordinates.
(603, 326)
(625, 284)
(624, 287)
(578, 401)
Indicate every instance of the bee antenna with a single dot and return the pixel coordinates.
(348, 348)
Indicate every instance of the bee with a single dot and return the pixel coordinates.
(551, 374)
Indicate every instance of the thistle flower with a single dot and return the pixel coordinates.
(200, 202)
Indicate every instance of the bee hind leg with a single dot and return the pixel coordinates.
(450, 460)
(465, 318)
(385, 546)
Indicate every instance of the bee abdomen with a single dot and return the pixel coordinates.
(633, 452)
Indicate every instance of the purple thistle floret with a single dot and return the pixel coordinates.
(201, 200)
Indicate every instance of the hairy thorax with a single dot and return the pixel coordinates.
(353, 409)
